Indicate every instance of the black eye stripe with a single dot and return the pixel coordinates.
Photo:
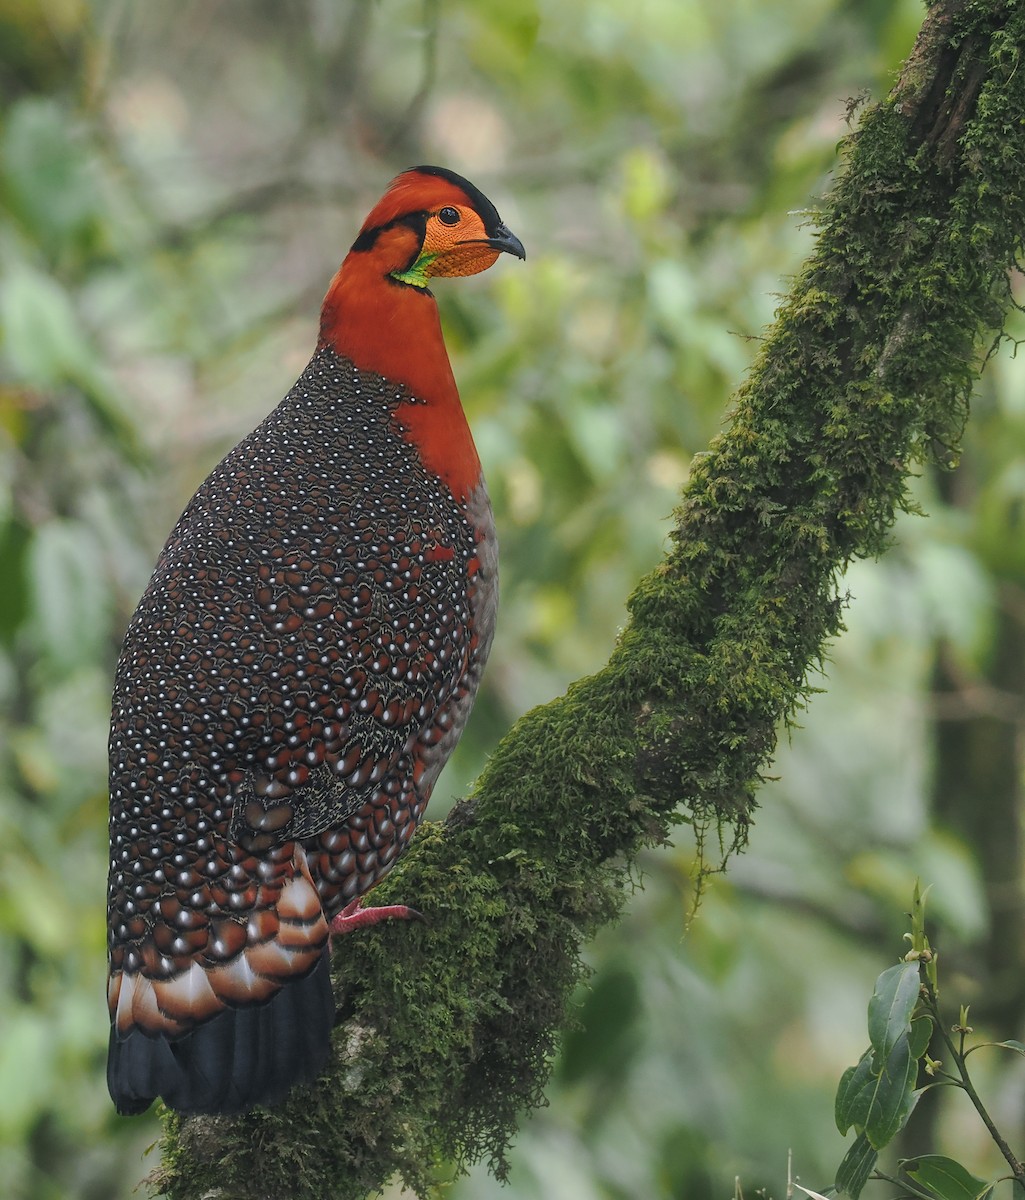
(416, 221)
(449, 216)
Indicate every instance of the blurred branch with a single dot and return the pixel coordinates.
(414, 110)
(341, 69)
(977, 793)
(447, 1029)
(967, 694)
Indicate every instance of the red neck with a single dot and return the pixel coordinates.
(394, 330)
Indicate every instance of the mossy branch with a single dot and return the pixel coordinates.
(448, 1028)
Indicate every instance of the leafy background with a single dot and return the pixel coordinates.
(177, 184)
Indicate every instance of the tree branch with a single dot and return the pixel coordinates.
(447, 1029)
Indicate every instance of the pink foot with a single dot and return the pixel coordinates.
(353, 917)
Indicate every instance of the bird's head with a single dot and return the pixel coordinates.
(432, 222)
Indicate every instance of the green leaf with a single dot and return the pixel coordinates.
(946, 1178)
(889, 1011)
(858, 1163)
(1010, 1044)
(879, 1103)
(28, 1070)
(46, 164)
(48, 346)
(43, 337)
(894, 1096)
(609, 1030)
(70, 601)
(920, 1036)
(14, 602)
(852, 1085)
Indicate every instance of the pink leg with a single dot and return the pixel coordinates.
(352, 916)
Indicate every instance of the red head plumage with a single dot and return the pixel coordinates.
(428, 189)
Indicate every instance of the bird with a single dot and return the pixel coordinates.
(298, 670)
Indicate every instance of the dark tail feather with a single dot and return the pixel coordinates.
(238, 1059)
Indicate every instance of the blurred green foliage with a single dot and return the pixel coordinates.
(177, 185)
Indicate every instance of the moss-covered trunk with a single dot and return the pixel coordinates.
(448, 1027)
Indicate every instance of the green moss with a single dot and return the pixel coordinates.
(449, 1027)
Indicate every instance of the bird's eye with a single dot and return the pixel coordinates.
(449, 216)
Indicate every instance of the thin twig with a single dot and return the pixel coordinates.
(965, 1082)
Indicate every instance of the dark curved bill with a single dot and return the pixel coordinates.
(505, 240)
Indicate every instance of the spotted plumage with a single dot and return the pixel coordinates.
(293, 680)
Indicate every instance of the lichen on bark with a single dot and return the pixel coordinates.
(447, 1028)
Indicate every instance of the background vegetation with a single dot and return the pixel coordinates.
(177, 184)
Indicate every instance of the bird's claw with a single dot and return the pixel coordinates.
(353, 917)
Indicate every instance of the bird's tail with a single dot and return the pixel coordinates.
(240, 1018)
(238, 1059)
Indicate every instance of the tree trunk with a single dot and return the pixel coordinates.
(447, 1028)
